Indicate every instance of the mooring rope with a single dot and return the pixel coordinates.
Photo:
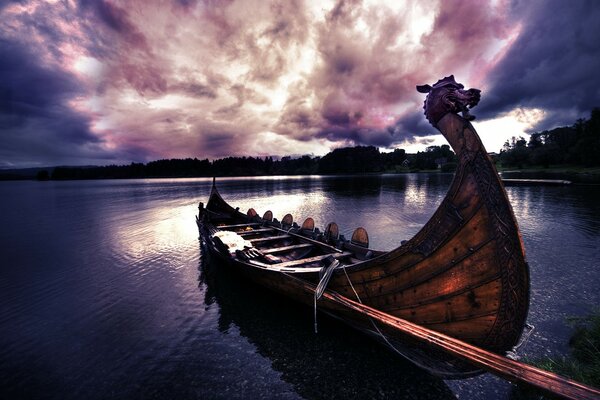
(512, 353)
(412, 359)
(325, 276)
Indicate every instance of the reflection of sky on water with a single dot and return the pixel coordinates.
(391, 208)
(132, 237)
(100, 278)
(560, 229)
(281, 204)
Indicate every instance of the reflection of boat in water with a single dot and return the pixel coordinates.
(461, 282)
(317, 366)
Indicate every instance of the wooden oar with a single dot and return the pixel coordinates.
(325, 245)
(506, 368)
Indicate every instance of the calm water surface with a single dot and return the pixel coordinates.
(105, 293)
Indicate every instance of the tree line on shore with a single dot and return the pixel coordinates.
(359, 159)
(578, 144)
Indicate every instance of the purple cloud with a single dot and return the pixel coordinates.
(108, 81)
(552, 65)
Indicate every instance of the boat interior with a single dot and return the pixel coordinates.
(284, 245)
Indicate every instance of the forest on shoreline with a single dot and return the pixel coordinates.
(348, 160)
(575, 145)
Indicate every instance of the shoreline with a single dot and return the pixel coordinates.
(575, 174)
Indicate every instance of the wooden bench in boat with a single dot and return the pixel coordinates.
(282, 249)
(238, 225)
(309, 260)
(269, 238)
(307, 239)
(254, 231)
(300, 262)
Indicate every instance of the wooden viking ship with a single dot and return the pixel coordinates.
(453, 299)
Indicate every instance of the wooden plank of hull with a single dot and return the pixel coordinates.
(471, 330)
(438, 288)
(468, 241)
(483, 300)
(430, 286)
(290, 286)
(454, 304)
(445, 301)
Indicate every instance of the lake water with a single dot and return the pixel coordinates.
(104, 292)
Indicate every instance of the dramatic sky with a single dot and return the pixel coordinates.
(101, 82)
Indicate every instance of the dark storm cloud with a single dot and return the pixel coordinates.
(342, 129)
(139, 80)
(118, 42)
(6, 3)
(553, 65)
(413, 122)
(35, 120)
(115, 18)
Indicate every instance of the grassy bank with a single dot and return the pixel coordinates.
(583, 365)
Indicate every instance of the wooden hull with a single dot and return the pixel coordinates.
(463, 275)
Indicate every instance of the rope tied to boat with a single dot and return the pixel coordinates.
(324, 277)
(512, 353)
(385, 339)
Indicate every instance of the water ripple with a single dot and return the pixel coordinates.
(101, 293)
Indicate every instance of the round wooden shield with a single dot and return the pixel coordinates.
(268, 216)
(332, 231)
(360, 237)
(287, 219)
(309, 224)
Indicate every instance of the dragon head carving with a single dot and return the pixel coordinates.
(448, 96)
